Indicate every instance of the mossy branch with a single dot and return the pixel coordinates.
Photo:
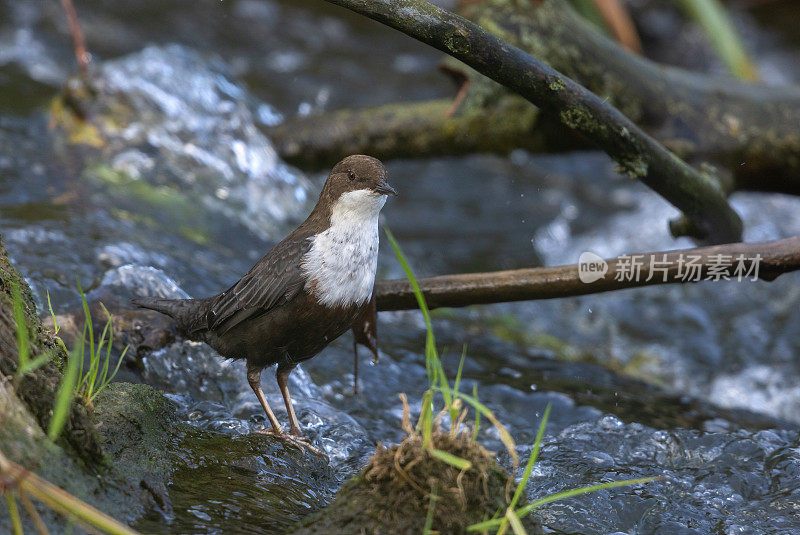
(699, 196)
(774, 258)
(415, 130)
(748, 130)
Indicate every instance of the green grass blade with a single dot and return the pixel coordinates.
(477, 414)
(719, 29)
(431, 508)
(56, 328)
(457, 382)
(52, 314)
(430, 342)
(23, 342)
(95, 356)
(36, 363)
(583, 490)
(452, 460)
(110, 378)
(526, 474)
(66, 390)
(486, 525)
(490, 524)
(423, 306)
(106, 361)
(505, 436)
(426, 418)
(433, 364)
(532, 459)
(443, 384)
(88, 321)
(13, 513)
(456, 385)
(515, 522)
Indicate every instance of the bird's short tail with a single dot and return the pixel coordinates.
(166, 306)
(185, 312)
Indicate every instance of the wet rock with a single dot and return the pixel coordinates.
(240, 484)
(137, 423)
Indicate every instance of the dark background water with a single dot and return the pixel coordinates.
(698, 383)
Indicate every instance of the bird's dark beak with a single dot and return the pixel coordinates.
(385, 189)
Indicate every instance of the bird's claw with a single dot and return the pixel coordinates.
(271, 432)
(297, 435)
(292, 438)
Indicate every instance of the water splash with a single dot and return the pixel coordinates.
(177, 119)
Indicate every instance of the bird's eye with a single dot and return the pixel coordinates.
(352, 175)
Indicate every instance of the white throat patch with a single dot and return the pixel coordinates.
(341, 263)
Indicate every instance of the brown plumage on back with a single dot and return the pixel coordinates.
(305, 292)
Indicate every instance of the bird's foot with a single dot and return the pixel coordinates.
(296, 434)
(295, 438)
(271, 432)
(304, 442)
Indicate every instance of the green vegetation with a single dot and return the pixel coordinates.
(717, 25)
(95, 377)
(25, 363)
(18, 481)
(452, 398)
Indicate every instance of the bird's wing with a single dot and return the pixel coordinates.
(273, 281)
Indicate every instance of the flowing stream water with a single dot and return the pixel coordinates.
(698, 383)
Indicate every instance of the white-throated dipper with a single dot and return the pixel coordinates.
(304, 293)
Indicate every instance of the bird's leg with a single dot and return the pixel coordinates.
(283, 378)
(254, 378)
(295, 435)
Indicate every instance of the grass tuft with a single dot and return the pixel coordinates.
(428, 426)
(96, 374)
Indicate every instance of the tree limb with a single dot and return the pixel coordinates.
(776, 258)
(698, 195)
(749, 129)
(415, 130)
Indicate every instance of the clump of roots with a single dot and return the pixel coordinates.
(401, 479)
(392, 494)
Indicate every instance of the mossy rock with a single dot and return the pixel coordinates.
(137, 424)
(37, 389)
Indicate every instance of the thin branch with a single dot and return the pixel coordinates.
(619, 21)
(81, 54)
(774, 258)
(699, 196)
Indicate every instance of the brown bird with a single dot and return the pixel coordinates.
(304, 293)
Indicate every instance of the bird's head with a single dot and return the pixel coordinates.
(359, 172)
(357, 183)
